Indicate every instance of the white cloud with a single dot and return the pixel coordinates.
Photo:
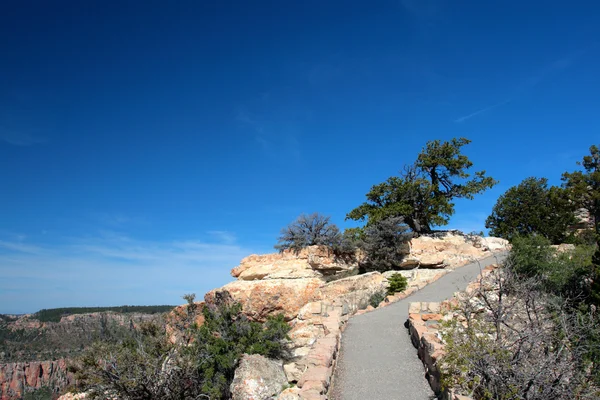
(545, 73)
(481, 111)
(112, 270)
(223, 236)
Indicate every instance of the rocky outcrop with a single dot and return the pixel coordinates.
(311, 262)
(450, 250)
(584, 220)
(317, 292)
(73, 396)
(259, 299)
(17, 378)
(181, 318)
(258, 378)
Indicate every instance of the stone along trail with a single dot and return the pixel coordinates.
(377, 359)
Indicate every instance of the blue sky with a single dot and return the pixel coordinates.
(146, 147)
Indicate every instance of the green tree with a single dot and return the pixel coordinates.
(424, 193)
(532, 207)
(584, 186)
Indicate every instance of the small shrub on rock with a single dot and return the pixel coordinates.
(376, 298)
(397, 284)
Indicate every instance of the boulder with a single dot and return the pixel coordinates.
(563, 247)
(583, 220)
(258, 378)
(370, 282)
(432, 261)
(450, 249)
(311, 262)
(259, 299)
(73, 396)
(290, 394)
(495, 243)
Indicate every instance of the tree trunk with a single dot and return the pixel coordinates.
(417, 226)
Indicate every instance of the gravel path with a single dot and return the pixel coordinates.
(377, 360)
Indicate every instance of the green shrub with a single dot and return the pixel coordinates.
(510, 341)
(385, 244)
(148, 366)
(532, 208)
(567, 274)
(397, 283)
(43, 393)
(376, 298)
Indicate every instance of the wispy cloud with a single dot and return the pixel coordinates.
(19, 246)
(275, 139)
(19, 138)
(545, 73)
(481, 111)
(112, 269)
(223, 236)
(251, 120)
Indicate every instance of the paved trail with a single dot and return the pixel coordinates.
(377, 360)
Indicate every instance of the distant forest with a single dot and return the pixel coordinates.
(55, 314)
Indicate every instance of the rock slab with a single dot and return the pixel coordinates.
(258, 378)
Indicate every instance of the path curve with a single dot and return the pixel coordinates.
(377, 360)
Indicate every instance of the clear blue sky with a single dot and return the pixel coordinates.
(147, 146)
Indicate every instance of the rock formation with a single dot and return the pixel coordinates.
(258, 378)
(17, 378)
(317, 292)
(65, 338)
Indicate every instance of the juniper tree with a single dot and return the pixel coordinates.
(425, 191)
(531, 207)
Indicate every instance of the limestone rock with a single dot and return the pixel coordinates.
(73, 396)
(305, 332)
(371, 282)
(311, 262)
(584, 220)
(563, 247)
(290, 394)
(259, 299)
(450, 249)
(495, 243)
(258, 378)
(181, 318)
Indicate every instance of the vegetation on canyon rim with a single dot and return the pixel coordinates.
(397, 209)
(534, 331)
(147, 365)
